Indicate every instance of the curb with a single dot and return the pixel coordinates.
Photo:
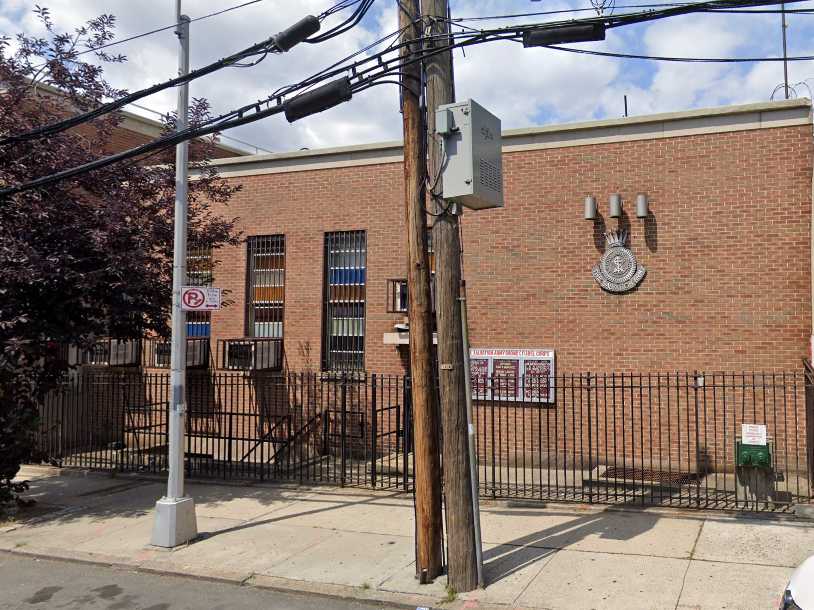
(261, 581)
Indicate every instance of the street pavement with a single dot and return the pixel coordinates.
(28, 583)
(359, 544)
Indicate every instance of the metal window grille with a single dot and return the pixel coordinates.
(397, 288)
(199, 273)
(265, 299)
(343, 333)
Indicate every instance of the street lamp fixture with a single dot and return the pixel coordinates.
(615, 205)
(590, 207)
(642, 206)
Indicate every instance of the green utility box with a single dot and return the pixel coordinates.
(759, 456)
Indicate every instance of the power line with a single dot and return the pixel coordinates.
(660, 5)
(358, 77)
(278, 43)
(724, 60)
(257, 148)
(166, 27)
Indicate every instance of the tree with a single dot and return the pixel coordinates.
(89, 257)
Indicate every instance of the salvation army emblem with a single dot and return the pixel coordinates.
(618, 270)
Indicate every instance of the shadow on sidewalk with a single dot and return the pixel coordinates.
(512, 556)
(65, 499)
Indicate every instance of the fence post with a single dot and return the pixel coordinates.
(123, 437)
(261, 432)
(405, 429)
(695, 383)
(590, 447)
(373, 431)
(808, 379)
(344, 424)
(491, 388)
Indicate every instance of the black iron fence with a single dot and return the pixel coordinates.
(662, 438)
(248, 425)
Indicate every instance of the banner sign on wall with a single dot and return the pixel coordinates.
(512, 374)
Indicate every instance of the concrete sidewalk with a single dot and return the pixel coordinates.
(360, 544)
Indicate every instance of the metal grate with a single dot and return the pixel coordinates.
(645, 475)
(265, 298)
(489, 175)
(343, 332)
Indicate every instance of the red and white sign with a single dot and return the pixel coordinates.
(200, 298)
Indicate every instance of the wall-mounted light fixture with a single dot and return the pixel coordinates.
(590, 207)
(642, 206)
(615, 205)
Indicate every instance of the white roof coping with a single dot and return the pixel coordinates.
(740, 117)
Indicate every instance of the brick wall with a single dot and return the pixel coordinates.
(304, 206)
(726, 248)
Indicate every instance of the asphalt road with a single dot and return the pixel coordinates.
(39, 583)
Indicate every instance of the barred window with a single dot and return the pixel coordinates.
(343, 331)
(199, 273)
(265, 298)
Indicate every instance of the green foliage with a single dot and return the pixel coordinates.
(88, 257)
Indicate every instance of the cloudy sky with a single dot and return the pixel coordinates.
(523, 86)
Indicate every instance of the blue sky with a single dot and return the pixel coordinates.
(523, 86)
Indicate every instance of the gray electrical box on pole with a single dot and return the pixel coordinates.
(472, 169)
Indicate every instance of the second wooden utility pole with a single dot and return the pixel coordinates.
(427, 468)
(462, 564)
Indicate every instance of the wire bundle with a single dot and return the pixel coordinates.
(342, 79)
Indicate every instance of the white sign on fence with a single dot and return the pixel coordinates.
(753, 434)
(200, 298)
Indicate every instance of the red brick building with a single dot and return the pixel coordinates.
(726, 245)
(727, 250)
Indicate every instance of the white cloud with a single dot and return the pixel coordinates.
(523, 86)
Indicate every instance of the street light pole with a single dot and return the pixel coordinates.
(175, 521)
(784, 26)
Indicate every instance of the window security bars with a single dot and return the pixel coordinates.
(397, 288)
(265, 291)
(261, 354)
(157, 352)
(108, 352)
(397, 295)
(343, 333)
(199, 273)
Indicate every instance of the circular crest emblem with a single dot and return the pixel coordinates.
(618, 270)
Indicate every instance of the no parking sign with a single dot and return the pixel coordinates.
(200, 298)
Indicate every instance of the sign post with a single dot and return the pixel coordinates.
(175, 521)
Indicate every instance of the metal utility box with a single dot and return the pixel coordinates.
(472, 168)
(759, 456)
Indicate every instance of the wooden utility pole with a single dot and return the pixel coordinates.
(427, 468)
(462, 566)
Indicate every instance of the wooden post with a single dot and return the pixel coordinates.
(426, 456)
(462, 567)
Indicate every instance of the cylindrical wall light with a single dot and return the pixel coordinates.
(615, 205)
(642, 209)
(590, 207)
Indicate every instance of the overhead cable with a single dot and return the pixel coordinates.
(346, 80)
(281, 42)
